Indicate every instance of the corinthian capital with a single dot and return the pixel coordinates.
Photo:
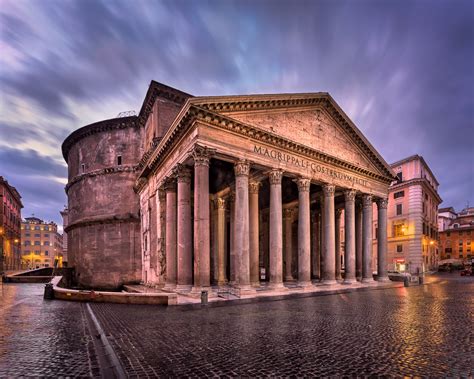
(349, 195)
(220, 203)
(303, 184)
(254, 186)
(382, 203)
(367, 200)
(242, 168)
(275, 176)
(329, 189)
(202, 155)
(183, 173)
(169, 184)
(288, 213)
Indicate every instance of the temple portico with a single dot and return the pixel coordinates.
(256, 191)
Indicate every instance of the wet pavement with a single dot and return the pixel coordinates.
(417, 331)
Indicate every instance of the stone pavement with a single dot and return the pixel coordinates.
(416, 331)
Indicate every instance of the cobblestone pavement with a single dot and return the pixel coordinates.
(423, 330)
(43, 338)
(416, 331)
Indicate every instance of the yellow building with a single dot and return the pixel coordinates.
(41, 244)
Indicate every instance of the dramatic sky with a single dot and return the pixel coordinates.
(402, 70)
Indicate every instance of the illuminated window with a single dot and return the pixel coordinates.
(399, 230)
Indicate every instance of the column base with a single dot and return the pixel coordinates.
(308, 285)
(255, 284)
(169, 287)
(277, 287)
(383, 279)
(184, 288)
(349, 281)
(328, 282)
(221, 283)
(367, 280)
(246, 290)
(289, 279)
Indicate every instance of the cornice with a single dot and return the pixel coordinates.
(191, 113)
(411, 182)
(97, 127)
(103, 171)
(126, 217)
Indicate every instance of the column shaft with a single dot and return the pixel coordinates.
(170, 188)
(338, 243)
(184, 249)
(315, 241)
(254, 234)
(288, 243)
(358, 231)
(276, 240)
(221, 222)
(382, 240)
(329, 229)
(304, 237)
(367, 239)
(349, 237)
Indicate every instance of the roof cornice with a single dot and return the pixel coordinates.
(421, 181)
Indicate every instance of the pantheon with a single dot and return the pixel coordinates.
(235, 192)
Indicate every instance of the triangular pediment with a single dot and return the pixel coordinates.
(313, 119)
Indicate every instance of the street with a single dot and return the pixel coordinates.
(418, 331)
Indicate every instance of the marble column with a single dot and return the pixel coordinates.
(184, 251)
(315, 242)
(367, 239)
(288, 242)
(221, 222)
(349, 237)
(254, 188)
(202, 260)
(170, 238)
(329, 242)
(358, 232)
(382, 240)
(241, 239)
(232, 255)
(276, 240)
(304, 233)
(337, 236)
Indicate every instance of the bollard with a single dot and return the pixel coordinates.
(406, 283)
(204, 297)
(48, 291)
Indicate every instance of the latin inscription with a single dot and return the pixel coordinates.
(304, 163)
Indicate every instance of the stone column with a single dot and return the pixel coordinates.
(367, 239)
(221, 221)
(382, 240)
(170, 190)
(254, 187)
(288, 251)
(338, 243)
(329, 242)
(185, 273)
(315, 242)
(233, 260)
(241, 239)
(349, 237)
(304, 230)
(202, 261)
(358, 232)
(276, 240)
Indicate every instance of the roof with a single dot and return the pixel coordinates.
(413, 158)
(446, 209)
(13, 191)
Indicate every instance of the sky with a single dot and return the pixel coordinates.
(402, 70)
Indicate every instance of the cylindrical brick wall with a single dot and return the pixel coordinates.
(104, 224)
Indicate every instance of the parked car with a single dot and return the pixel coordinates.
(398, 276)
(466, 272)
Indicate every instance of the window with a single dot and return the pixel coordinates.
(26, 252)
(398, 194)
(46, 252)
(46, 228)
(448, 234)
(83, 168)
(399, 229)
(46, 243)
(37, 227)
(399, 248)
(37, 235)
(119, 160)
(400, 176)
(27, 243)
(27, 234)
(46, 234)
(448, 250)
(399, 209)
(460, 249)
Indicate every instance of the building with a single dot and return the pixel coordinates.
(41, 244)
(10, 219)
(64, 214)
(413, 217)
(457, 234)
(192, 193)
